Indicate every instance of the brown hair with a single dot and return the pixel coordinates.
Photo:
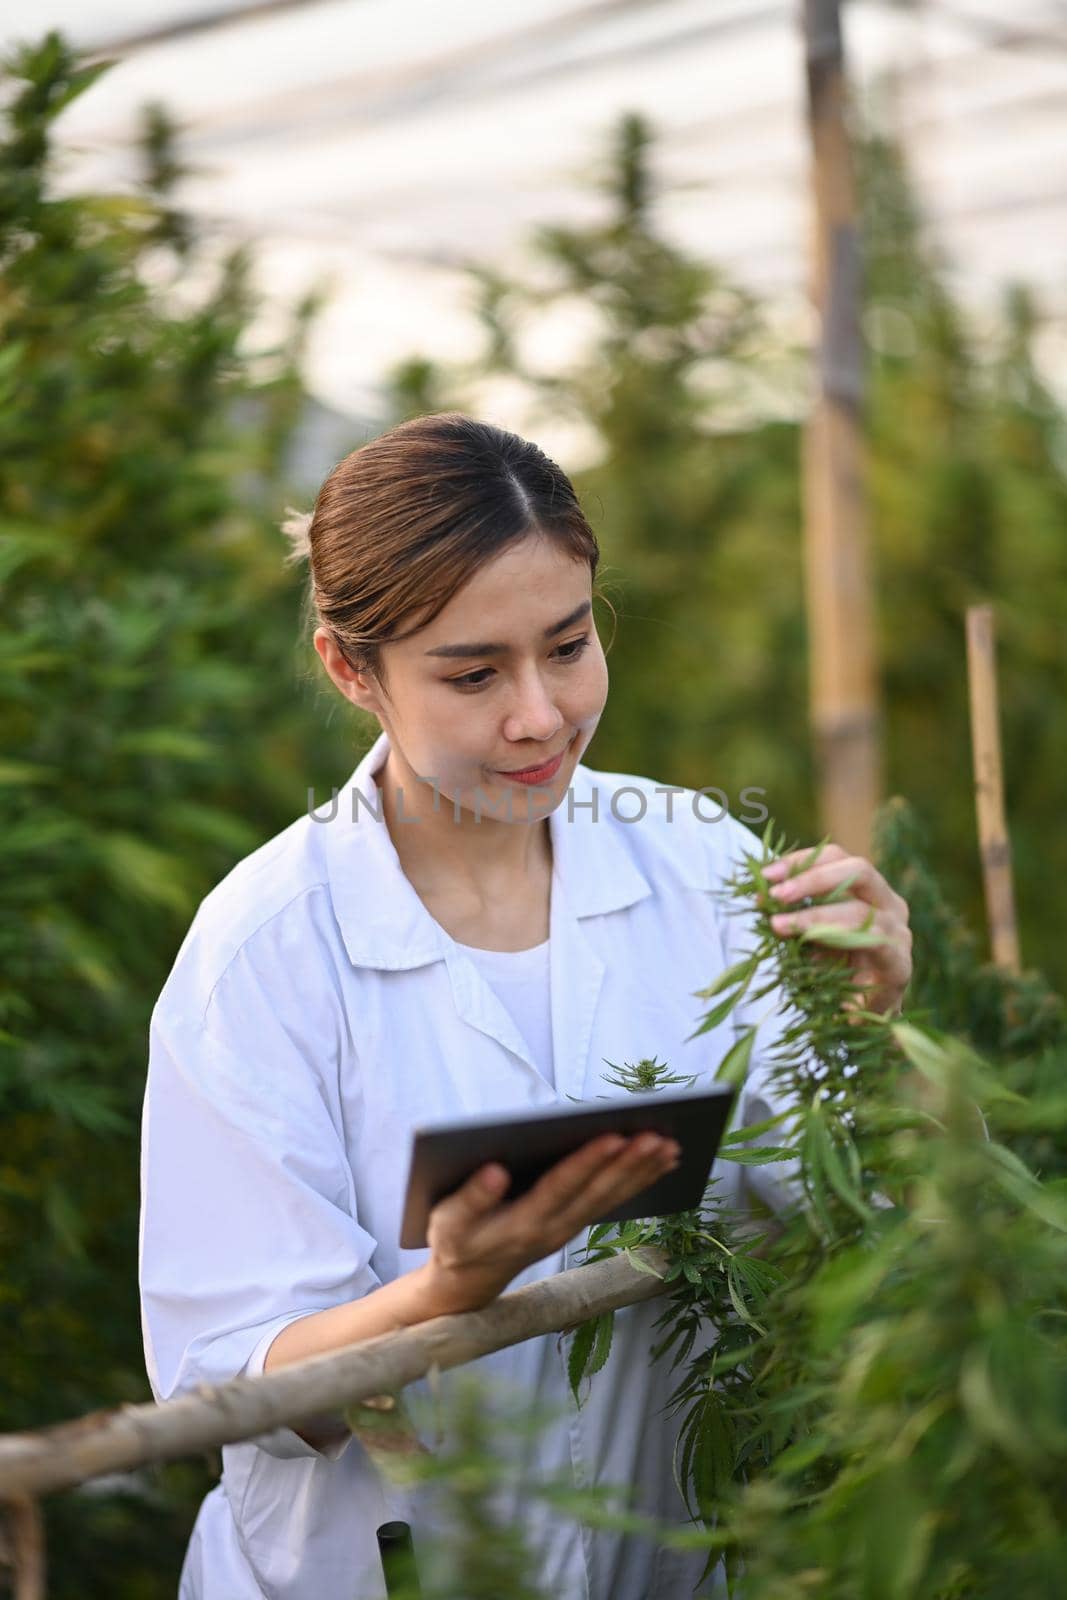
(406, 519)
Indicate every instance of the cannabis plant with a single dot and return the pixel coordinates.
(884, 1410)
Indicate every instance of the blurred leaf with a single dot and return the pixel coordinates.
(176, 743)
(733, 1068)
(841, 938)
(144, 871)
(26, 772)
(758, 1158)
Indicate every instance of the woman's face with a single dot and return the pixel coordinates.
(509, 675)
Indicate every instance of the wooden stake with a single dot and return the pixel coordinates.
(845, 713)
(993, 843)
(22, 1547)
(120, 1440)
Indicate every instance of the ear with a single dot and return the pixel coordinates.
(359, 687)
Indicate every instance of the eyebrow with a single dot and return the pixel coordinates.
(461, 651)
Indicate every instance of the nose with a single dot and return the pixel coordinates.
(533, 713)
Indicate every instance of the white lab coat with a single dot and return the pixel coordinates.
(316, 1012)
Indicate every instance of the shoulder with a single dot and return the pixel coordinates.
(689, 835)
(269, 922)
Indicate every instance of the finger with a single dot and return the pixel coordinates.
(568, 1180)
(557, 1198)
(851, 872)
(647, 1155)
(803, 859)
(826, 953)
(554, 1190)
(476, 1197)
(846, 914)
(804, 877)
(575, 1191)
(628, 1175)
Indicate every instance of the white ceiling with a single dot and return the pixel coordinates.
(385, 141)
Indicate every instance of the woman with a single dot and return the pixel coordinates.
(478, 923)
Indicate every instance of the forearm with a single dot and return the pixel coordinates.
(395, 1305)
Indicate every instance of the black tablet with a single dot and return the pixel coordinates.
(445, 1155)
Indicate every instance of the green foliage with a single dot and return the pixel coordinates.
(152, 733)
(718, 1267)
(933, 1463)
(1015, 1019)
(882, 1411)
(969, 495)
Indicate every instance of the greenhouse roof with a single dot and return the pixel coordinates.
(385, 142)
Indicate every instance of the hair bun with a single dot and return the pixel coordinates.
(297, 529)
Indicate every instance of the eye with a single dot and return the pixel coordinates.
(567, 653)
(472, 680)
(574, 647)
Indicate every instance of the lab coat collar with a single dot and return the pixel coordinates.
(383, 922)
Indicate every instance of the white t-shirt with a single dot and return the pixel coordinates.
(316, 1014)
(520, 980)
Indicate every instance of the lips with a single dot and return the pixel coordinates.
(546, 769)
(524, 772)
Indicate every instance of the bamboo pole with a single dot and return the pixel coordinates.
(69, 1453)
(993, 843)
(845, 712)
(22, 1547)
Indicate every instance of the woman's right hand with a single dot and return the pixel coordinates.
(479, 1241)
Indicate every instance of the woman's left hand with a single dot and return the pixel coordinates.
(882, 972)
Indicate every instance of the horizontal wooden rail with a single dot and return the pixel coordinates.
(131, 1436)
